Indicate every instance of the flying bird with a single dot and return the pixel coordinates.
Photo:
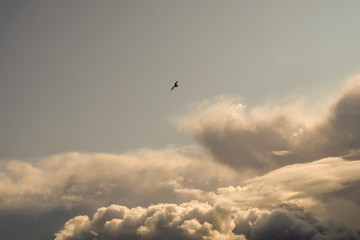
(175, 85)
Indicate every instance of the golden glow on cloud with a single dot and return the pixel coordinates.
(250, 170)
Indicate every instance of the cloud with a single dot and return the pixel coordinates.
(171, 175)
(268, 171)
(314, 178)
(192, 220)
(317, 186)
(271, 136)
(81, 183)
(78, 228)
(176, 176)
(56, 188)
(270, 206)
(195, 220)
(292, 222)
(69, 180)
(246, 139)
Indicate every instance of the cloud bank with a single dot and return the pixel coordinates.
(271, 172)
(68, 180)
(196, 220)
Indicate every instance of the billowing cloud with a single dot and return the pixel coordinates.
(271, 136)
(241, 138)
(271, 172)
(138, 178)
(89, 181)
(270, 206)
(194, 220)
(59, 187)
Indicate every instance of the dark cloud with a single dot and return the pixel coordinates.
(260, 139)
(292, 222)
(343, 129)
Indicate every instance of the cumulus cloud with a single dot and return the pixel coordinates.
(195, 220)
(192, 220)
(271, 136)
(270, 206)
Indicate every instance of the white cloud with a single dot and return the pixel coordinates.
(195, 220)
(78, 228)
(191, 220)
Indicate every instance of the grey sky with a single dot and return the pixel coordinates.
(95, 76)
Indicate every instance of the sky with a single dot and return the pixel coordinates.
(261, 140)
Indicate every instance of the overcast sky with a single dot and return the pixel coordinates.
(268, 91)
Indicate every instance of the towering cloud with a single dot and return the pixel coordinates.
(272, 136)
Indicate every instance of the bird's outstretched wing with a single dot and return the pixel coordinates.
(175, 85)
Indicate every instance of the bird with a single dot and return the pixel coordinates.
(175, 85)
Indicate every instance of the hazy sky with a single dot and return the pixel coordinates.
(260, 140)
(95, 76)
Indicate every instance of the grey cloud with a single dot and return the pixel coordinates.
(292, 222)
(343, 128)
(234, 137)
(272, 136)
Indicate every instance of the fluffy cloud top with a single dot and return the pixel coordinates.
(196, 221)
(272, 136)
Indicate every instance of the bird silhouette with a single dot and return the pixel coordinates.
(175, 85)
